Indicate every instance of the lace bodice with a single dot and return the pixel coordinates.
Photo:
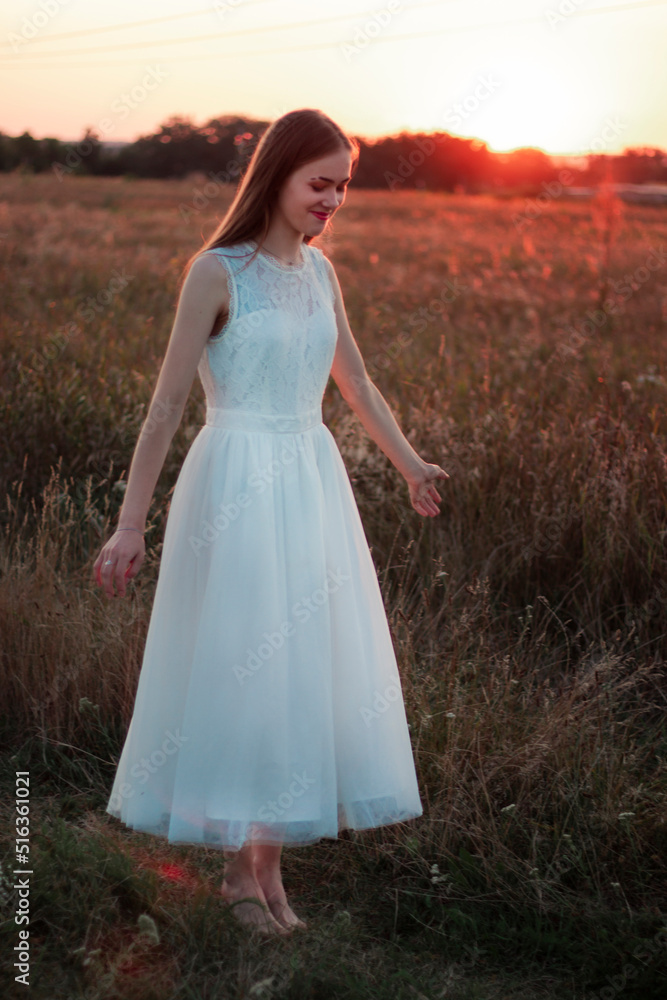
(274, 354)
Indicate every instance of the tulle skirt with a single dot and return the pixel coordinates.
(269, 705)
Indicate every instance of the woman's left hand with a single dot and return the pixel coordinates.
(424, 497)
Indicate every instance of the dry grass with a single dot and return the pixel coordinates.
(529, 618)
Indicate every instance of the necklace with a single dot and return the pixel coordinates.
(290, 263)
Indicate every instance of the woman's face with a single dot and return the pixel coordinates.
(311, 195)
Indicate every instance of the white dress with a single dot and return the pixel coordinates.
(269, 703)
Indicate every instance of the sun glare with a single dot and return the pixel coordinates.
(533, 103)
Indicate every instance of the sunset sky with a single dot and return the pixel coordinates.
(518, 73)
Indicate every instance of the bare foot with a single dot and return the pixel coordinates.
(254, 911)
(274, 893)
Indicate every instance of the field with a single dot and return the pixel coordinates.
(523, 349)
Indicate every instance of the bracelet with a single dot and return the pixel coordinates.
(130, 529)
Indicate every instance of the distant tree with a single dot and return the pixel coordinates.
(78, 158)
(525, 167)
(51, 149)
(8, 152)
(223, 145)
(27, 152)
(641, 165)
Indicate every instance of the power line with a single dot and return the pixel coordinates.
(208, 36)
(137, 24)
(311, 46)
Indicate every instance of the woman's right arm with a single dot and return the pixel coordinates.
(204, 299)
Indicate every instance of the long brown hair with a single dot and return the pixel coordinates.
(291, 141)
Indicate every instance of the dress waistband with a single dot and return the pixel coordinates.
(247, 420)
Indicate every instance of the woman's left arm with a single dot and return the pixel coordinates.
(365, 399)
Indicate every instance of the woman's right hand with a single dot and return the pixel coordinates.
(119, 561)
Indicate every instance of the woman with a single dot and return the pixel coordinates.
(269, 709)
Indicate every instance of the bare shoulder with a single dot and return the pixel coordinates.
(208, 276)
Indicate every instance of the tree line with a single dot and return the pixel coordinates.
(222, 146)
